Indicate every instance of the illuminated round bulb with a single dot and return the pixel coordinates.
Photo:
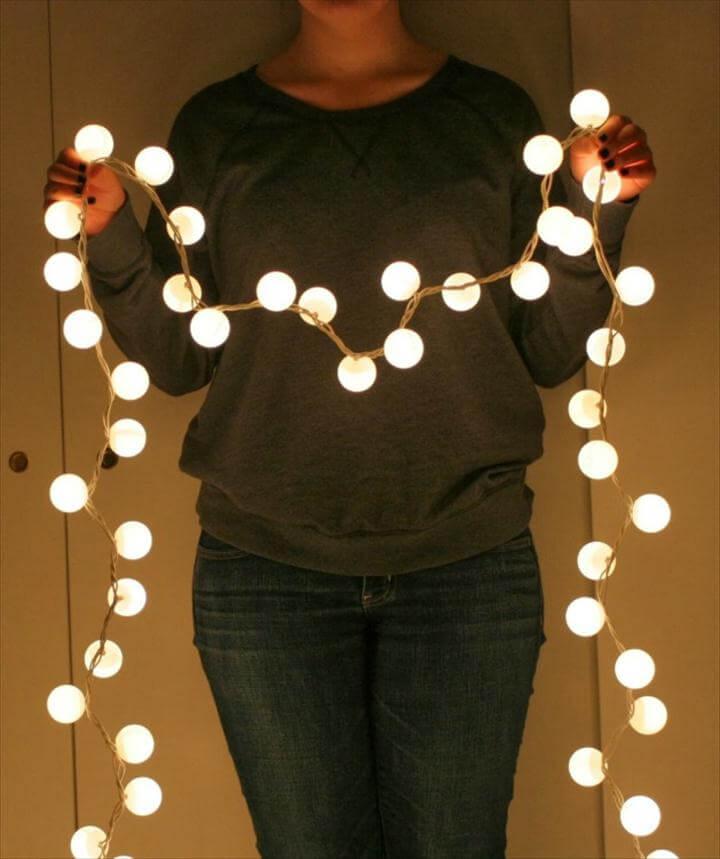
(661, 854)
(593, 558)
(110, 661)
(131, 597)
(553, 223)
(577, 238)
(66, 703)
(210, 327)
(583, 408)
(403, 348)
(585, 616)
(93, 142)
(133, 540)
(154, 165)
(650, 513)
(319, 300)
(400, 280)
(127, 437)
(189, 222)
(62, 219)
(142, 795)
(85, 843)
(134, 743)
(543, 154)
(634, 668)
(63, 271)
(461, 299)
(276, 290)
(635, 285)
(124, 856)
(649, 716)
(596, 346)
(530, 280)
(357, 374)
(68, 493)
(82, 328)
(597, 459)
(640, 815)
(177, 295)
(585, 766)
(130, 380)
(589, 107)
(612, 184)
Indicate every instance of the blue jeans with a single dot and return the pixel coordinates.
(372, 717)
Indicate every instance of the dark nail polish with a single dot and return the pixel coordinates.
(604, 152)
(82, 167)
(603, 137)
(78, 189)
(91, 200)
(610, 164)
(624, 171)
(81, 179)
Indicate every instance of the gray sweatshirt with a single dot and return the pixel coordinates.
(427, 466)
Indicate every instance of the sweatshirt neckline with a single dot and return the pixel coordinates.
(415, 96)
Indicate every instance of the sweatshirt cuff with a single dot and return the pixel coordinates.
(612, 218)
(119, 245)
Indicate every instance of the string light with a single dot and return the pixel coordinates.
(276, 291)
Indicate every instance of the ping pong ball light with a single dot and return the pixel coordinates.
(127, 437)
(592, 560)
(133, 539)
(461, 299)
(130, 380)
(650, 513)
(583, 408)
(189, 222)
(585, 766)
(356, 374)
(634, 668)
(543, 154)
(82, 328)
(85, 843)
(403, 348)
(612, 184)
(577, 237)
(635, 285)
(554, 223)
(93, 142)
(68, 493)
(319, 300)
(596, 346)
(400, 280)
(597, 459)
(585, 616)
(530, 280)
(62, 219)
(63, 271)
(132, 597)
(134, 743)
(640, 815)
(649, 715)
(66, 703)
(154, 165)
(209, 327)
(276, 290)
(176, 293)
(589, 107)
(142, 795)
(110, 662)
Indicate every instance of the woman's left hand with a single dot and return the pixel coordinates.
(620, 145)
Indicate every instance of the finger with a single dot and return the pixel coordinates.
(609, 131)
(642, 170)
(65, 173)
(70, 157)
(55, 191)
(633, 156)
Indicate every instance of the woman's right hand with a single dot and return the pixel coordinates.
(65, 183)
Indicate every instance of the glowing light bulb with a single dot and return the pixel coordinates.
(131, 597)
(82, 328)
(585, 766)
(142, 795)
(127, 437)
(543, 154)
(134, 743)
(403, 348)
(640, 815)
(612, 184)
(154, 165)
(650, 513)
(400, 280)
(597, 459)
(589, 107)
(461, 299)
(357, 374)
(93, 142)
(133, 539)
(584, 410)
(554, 223)
(130, 380)
(649, 716)
(66, 703)
(189, 222)
(110, 662)
(276, 290)
(530, 280)
(177, 295)
(210, 327)
(577, 238)
(319, 300)
(68, 493)
(85, 843)
(661, 854)
(635, 285)
(592, 560)
(585, 616)
(63, 271)
(62, 219)
(634, 668)
(596, 346)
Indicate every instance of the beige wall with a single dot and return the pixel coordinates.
(122, 64)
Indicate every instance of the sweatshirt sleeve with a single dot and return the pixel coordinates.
(128, 268)
(550, 332)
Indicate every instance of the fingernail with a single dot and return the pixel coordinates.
(624, 171)
(610, 164)
(604, 152)
(91, 200)
(78, 189)
(81, 179)
(603, 137)
(81, 167)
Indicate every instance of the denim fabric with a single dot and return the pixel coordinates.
(372, 717)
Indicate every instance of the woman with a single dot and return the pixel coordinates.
(367, 597)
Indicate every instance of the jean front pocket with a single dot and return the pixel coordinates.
(213, 548)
